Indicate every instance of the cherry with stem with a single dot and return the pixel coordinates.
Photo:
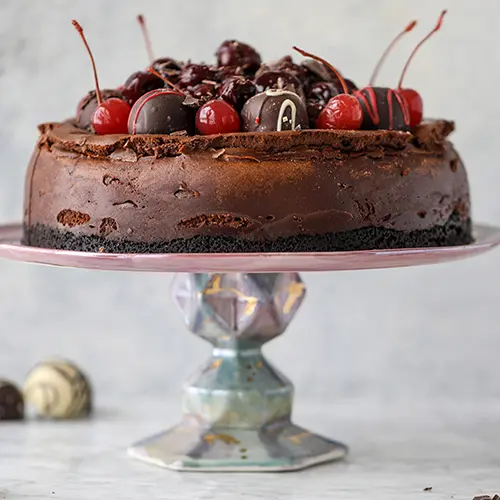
(111, 115)
(412, 97)
(342, 112)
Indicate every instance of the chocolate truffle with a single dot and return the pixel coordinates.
(383, 109)
(274, 110)
(58, 389)
(88, 105)
(161, 111)
(11, 401)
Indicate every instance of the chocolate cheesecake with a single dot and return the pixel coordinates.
(314, 190)
(246, 157)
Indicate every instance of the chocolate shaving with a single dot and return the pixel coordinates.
(228, 157)
(191, 102)
(218, 154)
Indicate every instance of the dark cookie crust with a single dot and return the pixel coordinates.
(455, 232)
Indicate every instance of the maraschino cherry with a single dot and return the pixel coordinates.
(111, 115)
(343, 112)
(412, 97)
(217, 117)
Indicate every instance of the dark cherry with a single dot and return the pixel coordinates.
(383, 109)
(236, 91)
(322, 92)
(314, 109)
(203, 91)
(140, 83)
(193, 74)
(161, 111)
(278, 80)
(111, 115)
(343, 112)
(217, 117)
(238, 54)
(88, 105)
(274, 111)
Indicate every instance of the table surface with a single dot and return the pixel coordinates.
(396, 452)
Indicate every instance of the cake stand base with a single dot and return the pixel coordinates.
(279, 447)
(237, 411)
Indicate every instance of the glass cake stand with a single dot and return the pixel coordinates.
(237, 409)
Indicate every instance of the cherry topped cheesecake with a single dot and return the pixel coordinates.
(245, 156)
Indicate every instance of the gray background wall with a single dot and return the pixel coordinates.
(400, 335)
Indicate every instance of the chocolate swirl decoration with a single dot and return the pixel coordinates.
(11, 401)
(58, 389)
(383, 109)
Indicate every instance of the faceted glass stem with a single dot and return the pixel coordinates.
(237, 409)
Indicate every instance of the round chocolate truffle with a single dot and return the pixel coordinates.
(88, 105)
(58, 389)
(11, 401)
(383, 109)
(274, 110)
(161, 111)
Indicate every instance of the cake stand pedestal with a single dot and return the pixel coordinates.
(237, 410)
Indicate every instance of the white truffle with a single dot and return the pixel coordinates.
(58, 389)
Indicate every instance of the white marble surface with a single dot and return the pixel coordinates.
(396, 452)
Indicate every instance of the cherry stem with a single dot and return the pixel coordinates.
(327, 64)
(388, 50)
(168, 82)
(78, 28)
(415, 50)
(145, 33)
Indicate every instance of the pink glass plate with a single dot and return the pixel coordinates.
(487, 238)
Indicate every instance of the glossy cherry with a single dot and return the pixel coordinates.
(343, 112)
(110, 116)
(193, 74)
(412, 97)
(236, 91)
(217, 117)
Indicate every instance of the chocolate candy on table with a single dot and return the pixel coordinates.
(274, 110)
(11, 401)
(383, 109)
(88, 105)
(59, 390)
(161, 111)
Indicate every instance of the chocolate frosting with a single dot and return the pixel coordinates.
(251, 185)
